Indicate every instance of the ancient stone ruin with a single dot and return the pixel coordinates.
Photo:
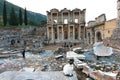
(65, 25)
(114, 40)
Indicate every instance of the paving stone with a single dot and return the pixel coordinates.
(52, 75)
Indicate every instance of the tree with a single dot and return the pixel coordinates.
(4, 14)
(20, 17)
(25, 17)
(30, 22)
(13, 18)
(43, 22)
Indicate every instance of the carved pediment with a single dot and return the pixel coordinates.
(54, 10)
(76, 10)
(65, 10)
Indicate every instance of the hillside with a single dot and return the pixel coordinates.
(32, 16)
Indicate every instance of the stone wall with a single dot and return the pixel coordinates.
(110, 25)
(114, 40)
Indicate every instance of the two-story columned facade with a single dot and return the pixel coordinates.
(66, 25)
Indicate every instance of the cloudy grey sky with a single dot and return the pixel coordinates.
(93, 7)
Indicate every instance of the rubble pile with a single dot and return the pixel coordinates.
(60, 51)
(103, 63)
(43, 63)
(108, 65)
(104, 66)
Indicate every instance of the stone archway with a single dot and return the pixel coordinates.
(98, 36)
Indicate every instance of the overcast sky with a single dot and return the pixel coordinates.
(93, 7)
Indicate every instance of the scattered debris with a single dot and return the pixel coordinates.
(58, 56)
(72, 55)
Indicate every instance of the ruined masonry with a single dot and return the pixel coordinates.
(66, 25)
(114, 40)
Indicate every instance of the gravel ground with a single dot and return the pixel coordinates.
(43, 61)
(46, 62)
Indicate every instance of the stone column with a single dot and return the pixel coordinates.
(79, 33)
(73, 32)
(48, 32)
(58, 33)
(69, 17)
(87, 37)
(79, 18)
(51, 19)
(57, 19)
(52, 34)
(62, 18)
(73, 17)
(68, 32)
(62, 33)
